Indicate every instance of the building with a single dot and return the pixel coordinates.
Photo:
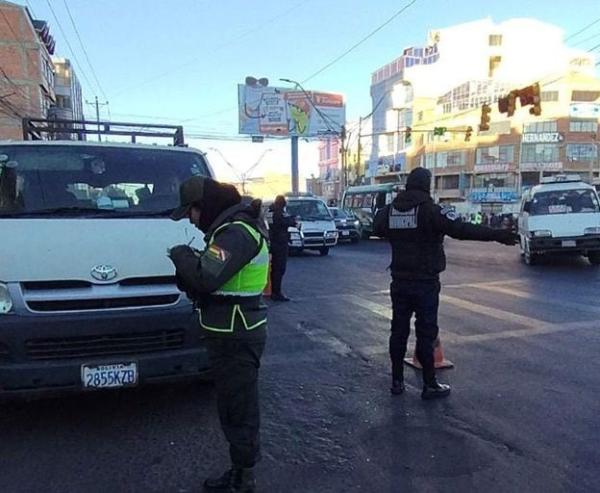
(330, 168)
(445, 84)
(69, 100)
(26, 69)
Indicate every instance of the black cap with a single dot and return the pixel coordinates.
(191, 191)
(419, 179)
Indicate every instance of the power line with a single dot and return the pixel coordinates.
(227, 43)
(84, 50)
(585, 40)
(585, 28)
(356, 45)
(66, 39)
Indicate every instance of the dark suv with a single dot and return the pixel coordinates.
(347, 224)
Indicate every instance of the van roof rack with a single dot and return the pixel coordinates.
(562, 178)
(58, 129)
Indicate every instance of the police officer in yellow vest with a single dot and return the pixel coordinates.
(226, 282)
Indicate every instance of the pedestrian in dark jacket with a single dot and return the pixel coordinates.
(279, 236)
(415, 227)
(226, 282)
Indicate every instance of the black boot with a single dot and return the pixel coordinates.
(397, 387)
(435, 390)
(233, 480)
(279, 297)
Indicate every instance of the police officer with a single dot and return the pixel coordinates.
(226, 282)
(279, 235)
(415, 227)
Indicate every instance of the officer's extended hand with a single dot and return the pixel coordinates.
(178, 250)
(507, 237)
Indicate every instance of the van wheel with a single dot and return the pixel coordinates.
(324, 251)
(365, 235)
(594, 258)
(530, 258)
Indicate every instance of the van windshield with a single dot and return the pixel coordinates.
(83, 181)
(564, 202)
(314, 210)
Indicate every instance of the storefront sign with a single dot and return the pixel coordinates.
(584, 110)
(492, 168)
(494, 197)
(543, 138)
(541, 166)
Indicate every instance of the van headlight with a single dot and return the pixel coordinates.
(6, 303)
(295, 236)
(356, 223)
(331, 234)
(541, 233)
(592, 231)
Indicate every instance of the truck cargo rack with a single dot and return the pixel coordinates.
(58, 129)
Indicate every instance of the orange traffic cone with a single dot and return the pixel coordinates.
(267, 291)
(438, 358)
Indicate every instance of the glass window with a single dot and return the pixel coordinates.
(564, 202)
(583, 126)
(549, 96)
(494, 65)
(540, 127)
(581, 152)
(450, 158)
(495, 40)
(495, 154)
(585, 95)
(540, 153)
(348, 201)
(368, 201)
(495, 180)
(92, 179)
(390, 143)
(309, 209)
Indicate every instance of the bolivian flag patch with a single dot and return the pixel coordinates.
(217, 253)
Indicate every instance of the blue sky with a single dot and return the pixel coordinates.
(182, 59)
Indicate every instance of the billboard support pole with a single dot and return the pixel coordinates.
(295, 189)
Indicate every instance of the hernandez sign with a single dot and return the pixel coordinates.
(280, 111)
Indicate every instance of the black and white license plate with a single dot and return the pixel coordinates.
(109, 376)
(569, 243)
(345, 233)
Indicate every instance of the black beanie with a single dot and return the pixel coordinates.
(419, 179)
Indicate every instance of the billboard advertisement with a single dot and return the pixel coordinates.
(265, 110)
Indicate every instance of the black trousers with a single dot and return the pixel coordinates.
(279, 256)
(421, 298)
(235, 363)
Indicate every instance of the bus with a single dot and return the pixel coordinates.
(365, 200)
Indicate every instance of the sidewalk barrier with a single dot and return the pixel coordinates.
(438, 358)
(267, 291)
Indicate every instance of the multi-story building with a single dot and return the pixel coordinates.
(330, 168)
(69, 100)
(26, 69)
(445, 85)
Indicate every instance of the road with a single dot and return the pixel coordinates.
(523, 415)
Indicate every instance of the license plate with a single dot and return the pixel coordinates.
(345, 233)
(569, 243)
(109, 376)
(296, 243)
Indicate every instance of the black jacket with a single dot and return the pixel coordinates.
(278, 231)
(415, 227)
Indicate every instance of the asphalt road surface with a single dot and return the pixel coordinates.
(523, 414)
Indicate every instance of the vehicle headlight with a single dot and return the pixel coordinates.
(331, 234)
(356, 223)
(6, 303)
(541, 233)
(592, 231)
(295, 236)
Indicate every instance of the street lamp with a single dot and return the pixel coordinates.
(242, 176)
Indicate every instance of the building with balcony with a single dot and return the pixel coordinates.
(69, 100)
(26, 69)
(459, 70)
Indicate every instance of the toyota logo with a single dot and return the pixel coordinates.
(104, 272)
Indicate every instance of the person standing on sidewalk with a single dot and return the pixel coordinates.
(415, 227)
(226, 282)
(279, 236)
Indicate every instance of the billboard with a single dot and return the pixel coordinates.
(265, 110)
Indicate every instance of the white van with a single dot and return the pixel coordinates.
(88, 298)
(561, 215)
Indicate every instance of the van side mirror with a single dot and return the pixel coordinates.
(527, 206)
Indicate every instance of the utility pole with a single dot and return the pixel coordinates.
(344, 164)
(359, 150)
(97, 105)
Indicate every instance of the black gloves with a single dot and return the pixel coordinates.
(507, 237)
(177, 250)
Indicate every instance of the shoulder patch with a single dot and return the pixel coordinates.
(449, 212)
(217, 253)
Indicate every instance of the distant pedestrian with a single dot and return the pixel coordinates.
(279, 236)
(415, 227)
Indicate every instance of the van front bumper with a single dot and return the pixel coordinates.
(45, 353)
(570, 244)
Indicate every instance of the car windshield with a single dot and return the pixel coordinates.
(93, 180)
(309, 210)
(564, 202)
(339, 213)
